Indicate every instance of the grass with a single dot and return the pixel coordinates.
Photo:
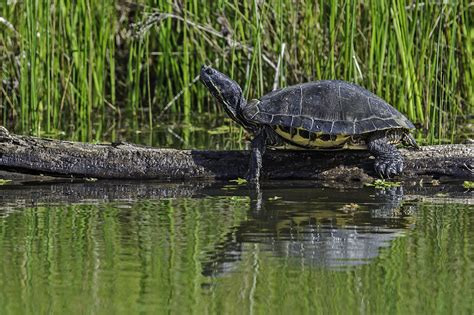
(468, 184)
(89, 68)
(4, 181)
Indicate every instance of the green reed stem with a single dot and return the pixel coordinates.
(79, 67)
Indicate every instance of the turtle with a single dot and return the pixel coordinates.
(324, 115)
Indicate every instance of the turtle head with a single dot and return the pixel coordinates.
(225, 90)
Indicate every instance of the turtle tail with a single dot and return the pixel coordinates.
(409, 141)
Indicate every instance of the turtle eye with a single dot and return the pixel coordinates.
(208, 71)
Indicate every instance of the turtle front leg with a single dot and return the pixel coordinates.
(388, 160)
(255, 165)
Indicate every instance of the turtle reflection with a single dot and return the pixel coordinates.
(333, 229)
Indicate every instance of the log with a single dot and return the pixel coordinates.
(31, 155)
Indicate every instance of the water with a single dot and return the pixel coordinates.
(299, 247)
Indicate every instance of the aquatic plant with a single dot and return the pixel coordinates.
(88, 68)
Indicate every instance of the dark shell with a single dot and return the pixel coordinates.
(330, 107)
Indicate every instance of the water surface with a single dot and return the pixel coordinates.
(129, 247)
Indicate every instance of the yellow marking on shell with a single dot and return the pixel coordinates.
(339, 141)
(347, 146)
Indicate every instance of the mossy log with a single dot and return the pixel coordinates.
(31, 155)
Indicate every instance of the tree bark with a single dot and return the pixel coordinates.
(25, 154)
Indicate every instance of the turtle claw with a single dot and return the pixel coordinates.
(387, 168)
(400, 167)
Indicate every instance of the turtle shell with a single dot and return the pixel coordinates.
(326, 107)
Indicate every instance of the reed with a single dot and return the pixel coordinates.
(88, 68)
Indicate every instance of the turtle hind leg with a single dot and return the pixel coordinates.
(388, 160)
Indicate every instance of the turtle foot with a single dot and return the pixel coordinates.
(387, 167)
(388, 160)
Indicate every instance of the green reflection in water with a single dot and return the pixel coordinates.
(152, 256)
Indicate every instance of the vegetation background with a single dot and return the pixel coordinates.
(87, 69)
